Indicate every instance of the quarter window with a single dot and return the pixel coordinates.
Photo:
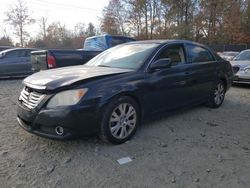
(198, 54)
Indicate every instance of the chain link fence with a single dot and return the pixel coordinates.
(229, 47)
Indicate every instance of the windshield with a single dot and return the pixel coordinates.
(243, 56)
(129, 56)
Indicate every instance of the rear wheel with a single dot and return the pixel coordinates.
(120, 120)
(218, 95)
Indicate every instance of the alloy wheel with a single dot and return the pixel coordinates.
(123, 121)
(219, 94)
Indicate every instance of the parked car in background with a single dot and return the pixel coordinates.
(4, 48)
(112, 93)
(48, 59)
(243, 76)
(228, 55)
(104, 42)
(15, 62)
(241, 64)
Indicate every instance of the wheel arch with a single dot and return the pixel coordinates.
(225, 81)
(130, 94)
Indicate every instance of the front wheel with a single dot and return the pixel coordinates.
(218, 95)
(120, 120)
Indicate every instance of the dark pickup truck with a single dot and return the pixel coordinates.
(54, 58)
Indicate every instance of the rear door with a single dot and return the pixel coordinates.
(171, 87)
(205, 70)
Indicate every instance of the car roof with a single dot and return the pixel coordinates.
(15, 49)
(230, 52)
(172, 41)
(108, 35)
(247, 50)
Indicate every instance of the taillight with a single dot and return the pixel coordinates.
(51, 61)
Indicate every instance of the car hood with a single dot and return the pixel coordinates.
(61, 77)
(241, 64)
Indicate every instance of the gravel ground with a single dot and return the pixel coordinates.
(199, 147)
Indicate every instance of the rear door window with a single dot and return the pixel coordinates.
(199, 54)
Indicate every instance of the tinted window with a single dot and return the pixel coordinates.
(16, 53)
(175, 53)
(199, 54)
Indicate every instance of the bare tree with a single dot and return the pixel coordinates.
(19, 17)
(43, 27)
(80, 29)
(114, 18)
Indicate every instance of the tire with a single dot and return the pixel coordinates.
(218, 95)
(120, 120)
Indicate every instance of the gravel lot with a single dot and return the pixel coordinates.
(199, 147)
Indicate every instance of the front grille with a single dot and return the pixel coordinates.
(236, 69)
(30, 99)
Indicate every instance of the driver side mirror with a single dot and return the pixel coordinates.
(161, 64)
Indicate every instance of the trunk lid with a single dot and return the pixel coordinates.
(39, 60)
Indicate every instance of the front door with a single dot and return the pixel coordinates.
(14, 63)
(171, 87)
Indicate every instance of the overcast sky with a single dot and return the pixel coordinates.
(68, 12)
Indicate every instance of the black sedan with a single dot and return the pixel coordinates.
(112, 93)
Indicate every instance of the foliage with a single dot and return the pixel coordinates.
(213, 21)
(210, 22)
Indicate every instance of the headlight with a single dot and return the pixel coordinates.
(66, 98)
(247, 70)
